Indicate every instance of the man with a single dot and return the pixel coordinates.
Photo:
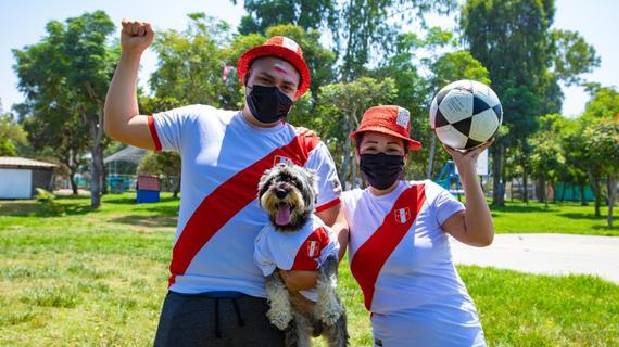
(216, 293)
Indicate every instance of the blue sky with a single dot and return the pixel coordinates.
(23, 23)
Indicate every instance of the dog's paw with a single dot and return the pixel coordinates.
(279, 319)
(331, 315)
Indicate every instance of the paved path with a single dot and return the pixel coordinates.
(546, 253)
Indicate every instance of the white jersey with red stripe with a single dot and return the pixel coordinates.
(305, 249)
(222, 158)
(417, 277)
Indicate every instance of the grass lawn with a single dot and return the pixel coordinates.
(567, 218)
(70, 276)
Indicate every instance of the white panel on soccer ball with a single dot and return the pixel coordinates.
(456, 105)
(433, 109)
(460, 84)
(488, 98)
(451, 137)
(483, 125)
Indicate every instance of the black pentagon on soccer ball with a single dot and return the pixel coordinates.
(440, 120)
(470, 143)
(479, 105)
(463, 126)
(498, 110)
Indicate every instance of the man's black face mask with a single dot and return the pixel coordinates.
(268, 104)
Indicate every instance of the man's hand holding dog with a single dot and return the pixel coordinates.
(298, 279)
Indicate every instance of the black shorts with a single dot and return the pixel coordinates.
(216, 319)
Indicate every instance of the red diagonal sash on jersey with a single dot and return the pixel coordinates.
(228, 199)
(373, 253)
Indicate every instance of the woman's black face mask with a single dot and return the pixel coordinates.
(268, 104)
(382, 170)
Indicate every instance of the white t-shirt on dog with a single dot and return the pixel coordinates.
(305, 249)
(222, 159)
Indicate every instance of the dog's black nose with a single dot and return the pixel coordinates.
(281, 193)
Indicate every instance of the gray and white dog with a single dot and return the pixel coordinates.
(287, 193)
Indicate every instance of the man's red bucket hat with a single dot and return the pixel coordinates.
(391, 120)
(281, 47)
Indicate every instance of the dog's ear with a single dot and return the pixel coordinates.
(263, 185)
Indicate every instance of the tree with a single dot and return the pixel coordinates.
(12, 136)
(319, 60)
(526, 59)
(602, 148)
(604, 103)
(64, 140)
(191, 64)
(363, 31)
(341, 106)
(70, 69)
(313, 14)
(546, 158)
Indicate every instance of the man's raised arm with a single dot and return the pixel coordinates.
(121, 115)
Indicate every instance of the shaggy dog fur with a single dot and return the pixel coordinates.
(287, 194)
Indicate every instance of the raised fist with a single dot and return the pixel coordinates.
(136, 36)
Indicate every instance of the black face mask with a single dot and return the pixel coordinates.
(381, 169)
(268, 104)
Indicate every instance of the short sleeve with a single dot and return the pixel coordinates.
(329, 187)
(167, 128)
(332, 247)
(262, 254)
(445, 204)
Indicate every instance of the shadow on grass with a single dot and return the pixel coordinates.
(604, 230)
(581, 216)
(524, 208)
(168, 211)
(147, 221)
(53, 209)
(129, 199)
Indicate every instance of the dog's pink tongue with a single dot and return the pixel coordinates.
(283, 215)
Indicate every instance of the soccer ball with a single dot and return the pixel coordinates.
(465, 114)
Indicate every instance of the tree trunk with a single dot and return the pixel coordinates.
(177, 187)
(595, 186)
(611, 186)
(541, 190)
(498, 187)
(96, 165)
(73, 182)
(583, 200)
(525, 182)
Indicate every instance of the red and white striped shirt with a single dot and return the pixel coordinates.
(222, 160)
(399, 254)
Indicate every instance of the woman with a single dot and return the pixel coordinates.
(399, 242)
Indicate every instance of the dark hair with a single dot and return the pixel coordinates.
(359, 138)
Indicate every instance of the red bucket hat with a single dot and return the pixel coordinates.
(281, 47)
(391, 120)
